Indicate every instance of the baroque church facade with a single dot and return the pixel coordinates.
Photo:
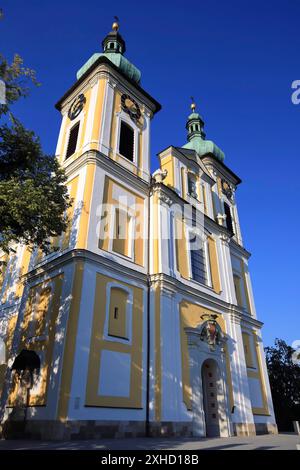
(141, 320)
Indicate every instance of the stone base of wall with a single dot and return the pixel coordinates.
(72, 430)
(171, 429)
(266, 428)
(244, 429)
(81, 430)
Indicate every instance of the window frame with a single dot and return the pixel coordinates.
(228, 205)
(192, 177)
(3, 352)
(131, 231)
(190, 232)
(73, 123)
(122, 116)
(31, 337)
(123, 125)
(129, 311)
(240, 289)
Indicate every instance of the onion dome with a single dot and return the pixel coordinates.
(196, 136)
(113, 49)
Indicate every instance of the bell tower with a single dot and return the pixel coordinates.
(107, 111)
(105, 131)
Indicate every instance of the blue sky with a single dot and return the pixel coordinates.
(238, 59)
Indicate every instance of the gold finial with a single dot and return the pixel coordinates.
(193, 104)
(115, 25)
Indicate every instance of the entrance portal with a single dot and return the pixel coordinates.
(210, 384)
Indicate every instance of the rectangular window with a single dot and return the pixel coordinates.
(126, 145)
(117, 325)
(229, 223)
(72, 144)
(247, 349)
(198, 265)
(41, 311)
(238, 292)
(122, 236)
(192, 187)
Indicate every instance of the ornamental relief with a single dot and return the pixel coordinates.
(227, 189)
(208, 332)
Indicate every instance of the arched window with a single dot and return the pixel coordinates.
(126, 143)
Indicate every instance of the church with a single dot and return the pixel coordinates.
(141, 320)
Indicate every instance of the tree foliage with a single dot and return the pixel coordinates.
(17, 79)
(33, 196)
(284, 377)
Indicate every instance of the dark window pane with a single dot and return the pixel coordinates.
(192, 186)
(72, 140)
(229, 223)
(198, 266)
(126, 141)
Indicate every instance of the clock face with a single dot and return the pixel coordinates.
(130, 106)
(76, 107)
(226, 189)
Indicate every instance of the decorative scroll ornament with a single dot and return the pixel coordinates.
(130, 106)
(211, 332)
(227, 189)
(76, 107)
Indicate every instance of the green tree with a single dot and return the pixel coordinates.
(17, 79)
(284, 375)
(33, 196)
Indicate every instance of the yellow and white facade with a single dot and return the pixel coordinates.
(135, 331)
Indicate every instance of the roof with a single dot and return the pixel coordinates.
(104, 60)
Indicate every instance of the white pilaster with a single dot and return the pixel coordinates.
(241, 394)
(146, 147)
(106, 120)
(62, 131)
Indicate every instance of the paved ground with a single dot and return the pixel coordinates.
(268, 442)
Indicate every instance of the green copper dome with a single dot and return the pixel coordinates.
(196, 137)
(113, 49)
(118, 60)
(203, 147)
(194, 116)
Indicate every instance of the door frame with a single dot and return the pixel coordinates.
(199, 352)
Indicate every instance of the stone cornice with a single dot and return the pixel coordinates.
(169, 193)
(247, 320)
(210, 161)
(109, 165)
(176, 286)
(238, 249)
(76, 255)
